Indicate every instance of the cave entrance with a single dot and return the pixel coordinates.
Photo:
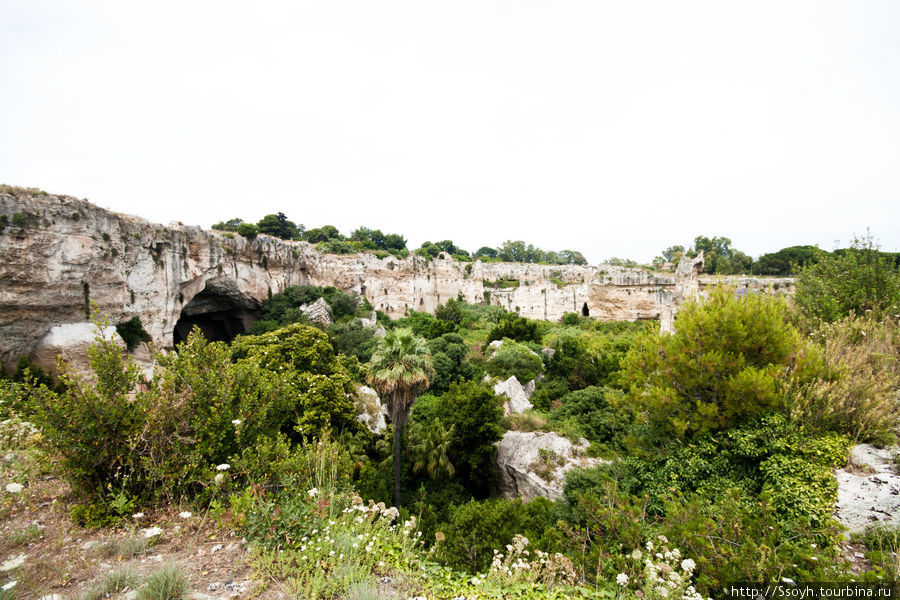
(220, 310)
(584, 311)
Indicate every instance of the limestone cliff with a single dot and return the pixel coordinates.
(59, 255)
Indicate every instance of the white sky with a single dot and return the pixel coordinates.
(614, 128)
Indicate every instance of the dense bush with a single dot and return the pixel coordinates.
(515, 328)
(599, 413)
(753, 501)
(858, 394)
(513, 359)
(132, 331)
(352, 339)
(449, 357)
(857, 280)
(284, 308)
(729, 360)
(474, 413)
(205, 403)
(788, 261)
(477, 528)
(426, 325)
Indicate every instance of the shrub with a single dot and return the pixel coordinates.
(728, 360)
(513, 359)
(857, 280)
(132, 332)
(515, 328)
(599, 412)
(248, 230)
(858, 396)
(449, 357)
(474, 414)
(204, 404)
(475, 529)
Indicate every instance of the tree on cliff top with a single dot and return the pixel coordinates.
(279, 226)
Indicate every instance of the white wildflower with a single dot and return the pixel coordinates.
(185, 514)
(152, 532)
(219, 478)
(313, 492)
(223, 467)
(688, 565)
(13, 488)
(236, 422)
(137, 515)
(622, 579)
(13, 563)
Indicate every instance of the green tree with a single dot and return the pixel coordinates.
(728, 360)
(279, 226)
(860, 279)
(248, 230)
(229, 225)
(428, 448)
(400, 370)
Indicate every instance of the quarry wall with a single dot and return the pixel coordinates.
(60, 255)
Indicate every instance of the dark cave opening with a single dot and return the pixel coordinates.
(584, 311)
(220, 311)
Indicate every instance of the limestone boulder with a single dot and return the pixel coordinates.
(533, 464)
(318, 312)
(70, 342)
(370, 411)
(868, 489)
(517, 400)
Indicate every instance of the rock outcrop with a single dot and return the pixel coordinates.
(318, 312)
(533, 464)
(370, 411)
(59, 256)
(517, 400)
(869, 489)
(70, 342)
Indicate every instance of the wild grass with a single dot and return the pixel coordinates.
(169, 583)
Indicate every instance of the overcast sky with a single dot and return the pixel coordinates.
(614, 128)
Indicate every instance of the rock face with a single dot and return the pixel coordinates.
(370, 411)
(869, 490)
(318, 312)
(533, 464)
(687, 285)
(517, 400)
(70, 342)
(59, 256)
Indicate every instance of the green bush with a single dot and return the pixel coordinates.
(132, 332)
(515, 328)
(858, 280)
(474, 413)
(730, 359)
(476, 529)
(117, 443)
(515, 359)
(248, 230)
(599, 412)
(449, 357)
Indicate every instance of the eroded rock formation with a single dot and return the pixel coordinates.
(59, 256)
(533, 464)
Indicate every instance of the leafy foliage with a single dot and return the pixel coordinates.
(132, 331)
(515, 328)
(514, 359)
(858, 280)
(728, 360)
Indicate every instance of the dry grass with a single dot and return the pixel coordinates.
(860, 395)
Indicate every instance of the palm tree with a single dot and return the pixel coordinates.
(400, 370)
(428, 447)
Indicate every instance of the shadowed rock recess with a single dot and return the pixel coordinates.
(64, 255)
